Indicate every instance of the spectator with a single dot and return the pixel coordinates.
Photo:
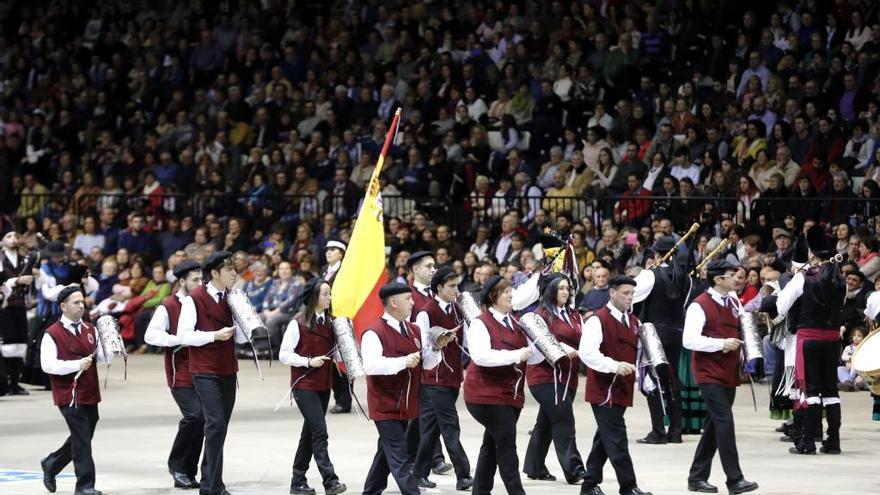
(135, 240)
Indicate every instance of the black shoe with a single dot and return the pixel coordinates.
(829, 449)
(543, 477)
(442, 467)
(579, 476)
(18, 390)
(464, 484)
(426, 483)
(87, 491)
(673, 438)
(702, 487)
(335, 488)
(801, 450)
(48, 479)
(653, 439)
(337, 409)
(635, 491)
(301, 489)
(593, 490)
(182, 480)
(742, 486)
(786, 438)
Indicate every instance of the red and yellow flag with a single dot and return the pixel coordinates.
(362, 274)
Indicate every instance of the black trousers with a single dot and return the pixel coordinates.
(414, 440)
(390, 458)
(718, 434)
(609, 444)
(81, 421)
(217, 395)
(341, 392)
(187, 446)
(13, 331)
(439, 416)
(555, 423)
(670, 338)
(820, 367)
(498, 449)
(313, 441)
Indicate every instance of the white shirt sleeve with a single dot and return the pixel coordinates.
(49, 359)
(287, 354)
(186, 326)
(480, 347)
(588, 350)
(693, 337)
(644, 285)
(790, 293)
(157, 330)
(424, 323)
(430, 357)
(873, 305)
(374, 362)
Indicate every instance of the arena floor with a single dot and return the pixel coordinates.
(139, 418)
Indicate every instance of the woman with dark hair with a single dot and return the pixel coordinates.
(555, 415)
(869, 209)
(493, 386)
(307, 348)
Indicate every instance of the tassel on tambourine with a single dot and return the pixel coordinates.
(470, 309)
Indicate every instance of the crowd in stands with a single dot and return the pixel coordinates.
(145, 133)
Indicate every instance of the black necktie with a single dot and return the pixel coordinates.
(320, 320)
(449, 308)
(221, 296)
(564, 317)
(403, 329)
(76, 327)
(507, 324)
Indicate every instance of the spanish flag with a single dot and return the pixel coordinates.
(362, 274)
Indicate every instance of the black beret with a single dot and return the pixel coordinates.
(393, 289)
(550, 241)
(719, 267)
(619, 280)
(309, 287)
(440, 277)
(857, 273)
(214, 259)
(664, 244)
(487, 289)
(416, 257)
(545, 281)
(185, 267)
(67, 292)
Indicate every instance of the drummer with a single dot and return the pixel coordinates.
(711, 331)
(162, 332)
(206, 326)
(307, 348)
(555, 415)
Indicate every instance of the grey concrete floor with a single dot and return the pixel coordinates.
(139, 419)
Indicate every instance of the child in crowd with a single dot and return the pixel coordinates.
(849, 380)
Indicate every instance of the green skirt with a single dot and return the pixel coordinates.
(693, 409)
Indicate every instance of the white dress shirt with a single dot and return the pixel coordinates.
(562, 313)
(375, 363)
(424, 289)
(695, 319)
(186, 325)
(157, 330)
(479, 345)
(12, 256)
(644, 285)
(790, 293)
(49, 353)
(287, 354)
(424, 323)
(591, 339)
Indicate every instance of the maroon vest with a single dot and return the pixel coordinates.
(449, 372)
(216, 358)
(312, 343)
(719, 367)
(176, 358)
(569, 334)
(620, 343)
(71, 347)
(419, 302)
(395, 397)
(494, 385)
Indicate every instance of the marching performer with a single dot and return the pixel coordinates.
(69, 350)
(440, 385)
(555, 415)
(711, 331)
(664, 289)
(493, 387)
(392, 353)
(608, 347)
(821, 289)
(334, 252)
(162, 332)
(307, 348)
(14, 331)
(206, 326)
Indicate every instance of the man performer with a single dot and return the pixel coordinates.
(608, 347)
(711, 331)
(441, 385)
(206, 326)
(14, 331)
(392, 354)
(69, 349)
(821, 291)
(663, 290)
(334, 252)
(162, 332)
